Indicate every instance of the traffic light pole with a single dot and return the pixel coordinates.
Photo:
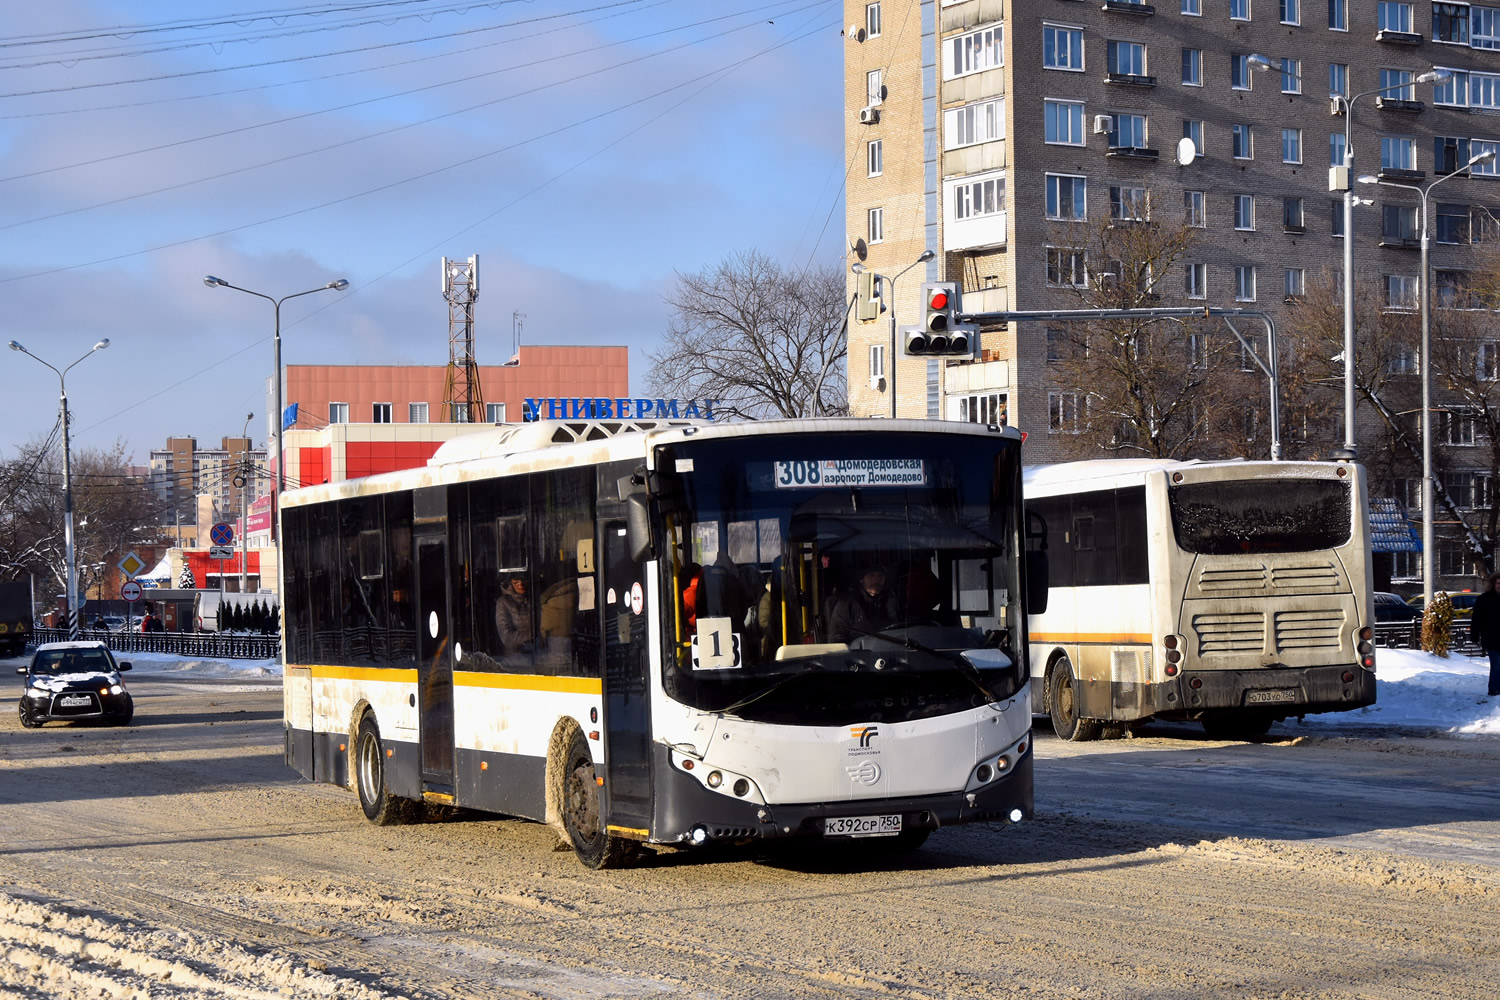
(1267, 367)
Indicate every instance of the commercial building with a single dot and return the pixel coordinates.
(984, 131)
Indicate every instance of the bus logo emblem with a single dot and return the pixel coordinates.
(866, 772)
(865, 734)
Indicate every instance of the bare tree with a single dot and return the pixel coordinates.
(1155, 388)
(763, 341)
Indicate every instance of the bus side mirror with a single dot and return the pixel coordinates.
(638, 527)
(1036, 582)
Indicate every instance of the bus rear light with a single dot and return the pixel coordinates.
(1366, 633)
(1174, 656)
(1343, 472)
(1368, 662)
(1365, 648)
(1171, 670)
(1348, 676)
(1195, 683)
(1169, 641)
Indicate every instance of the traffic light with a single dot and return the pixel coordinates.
(867, 304)
(940, 335)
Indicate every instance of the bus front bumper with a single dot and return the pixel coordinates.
(1279, 691)
(683, 805)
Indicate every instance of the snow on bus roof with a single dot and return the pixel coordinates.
(1114, 468)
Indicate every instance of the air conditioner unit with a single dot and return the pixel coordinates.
(1104, 124)
(869, 115)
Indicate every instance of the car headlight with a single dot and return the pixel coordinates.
(116, 689)
(39, 694)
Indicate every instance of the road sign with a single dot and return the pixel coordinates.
(131, 565)
(221, 534)
(221, 552)
(130, 591)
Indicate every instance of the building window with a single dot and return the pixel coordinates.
(1338, 15)
(1484, 25)
(380, 413)
(1337, 206)
(874, 160)
(1192, 8)
(338, 413)
(1449, 153)
(1451, 290)
(1291, 145)
(1336, 147)
(1193, 130)
(1396, 84)
(974, 52)
(1397, 153)
(1452, 223)
(1487, 367)
(1452, 561)
(1066, 268)
(979, 197)
(1125, 58)
(1406, 565)
(1244, 211)
(1067, 197)
(1128, 204)
(1244, 283)
(1197, 350)
(1192, 67)
(984, 408)
(877, 361)
(876, 218)
(1195, 280)
(416, 413)
(1063, 123)
(1129, 132)
(1391, 15)
(494, 413)
(1062, 47)
(1193, 211)
(972, 124)
(1243, 142)
(1239, 10)
(1065, 412)
(1291, 215)
(872, 20)
(1400, 292)
(874, 87)
(1239, 71)
(1291, 76)
(1295, 282)
(1458, 428)
(1490, 169)
(1291, 11)
(1338, 79)
(1453, 91)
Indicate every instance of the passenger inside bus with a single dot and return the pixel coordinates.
(513, 615)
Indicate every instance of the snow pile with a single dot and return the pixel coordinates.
(1418, 690)
(158, 664)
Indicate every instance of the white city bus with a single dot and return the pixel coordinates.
(633, 632)
(1232, 593)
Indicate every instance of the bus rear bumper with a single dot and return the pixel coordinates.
(683, 804)
(1278, 691)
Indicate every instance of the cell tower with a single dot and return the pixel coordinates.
(463, 399)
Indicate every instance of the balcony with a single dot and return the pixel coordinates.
(1401, 242)
(1401, 174)
(1127, 7)
(1400, 104)
(1398, 37)
(1295, 228)
(975, 233)
(1130, 80)
(1132, 153)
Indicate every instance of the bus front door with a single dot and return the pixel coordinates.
(627, 693)
(434, 664)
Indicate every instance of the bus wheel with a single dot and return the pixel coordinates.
(1237, 727)
(379, 805)
(580, 813)
(1062, 705)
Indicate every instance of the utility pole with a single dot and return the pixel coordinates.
(244, 487)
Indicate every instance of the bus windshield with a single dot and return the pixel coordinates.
(1261, 515)
(835, 579)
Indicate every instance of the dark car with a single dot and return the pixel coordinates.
(1463, 604)
(1391, 608)
(69, 681)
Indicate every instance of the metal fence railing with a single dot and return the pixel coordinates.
(206, 645)
(1408, 635)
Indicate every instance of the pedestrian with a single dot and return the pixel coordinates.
(1484, 628)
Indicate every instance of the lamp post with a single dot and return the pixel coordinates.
(244, 484)
(1345, 106)
(1424, 293)
(922, 258)
(70, 554)
(338, 286)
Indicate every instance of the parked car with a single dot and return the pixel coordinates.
(1463, 604)
(1393, 608)
(72, 681)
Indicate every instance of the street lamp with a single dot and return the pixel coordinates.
(71, 556)
(337, 286)
(1345, 106)
(1424, 294)
(857, 268)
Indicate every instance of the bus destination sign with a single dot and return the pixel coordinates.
(851, 472)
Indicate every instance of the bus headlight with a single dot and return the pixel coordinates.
(993, 767)
(719, 779)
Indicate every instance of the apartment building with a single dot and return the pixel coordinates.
(978, 129)
(233, 475)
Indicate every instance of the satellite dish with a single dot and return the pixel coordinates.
(853, 32)
(1187, 152)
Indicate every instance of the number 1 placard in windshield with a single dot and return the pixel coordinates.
(851, 472)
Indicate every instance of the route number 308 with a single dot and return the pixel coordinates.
(798, 474)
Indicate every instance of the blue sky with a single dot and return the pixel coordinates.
(585, 149)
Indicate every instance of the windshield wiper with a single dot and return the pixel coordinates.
(955, 657)
(764, 692)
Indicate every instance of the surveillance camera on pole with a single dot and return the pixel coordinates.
(940, 335)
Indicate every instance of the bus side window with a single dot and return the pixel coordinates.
(568, 620)
(401, 624)
(1130, 507)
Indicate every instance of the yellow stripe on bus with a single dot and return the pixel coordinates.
(365, 674)
(529, 682)
(1095, 638)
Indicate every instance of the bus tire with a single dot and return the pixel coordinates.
(375, 799)
(580, 812)
(1236, 727)
(1062, 706)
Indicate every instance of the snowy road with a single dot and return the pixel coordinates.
(180, 858)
